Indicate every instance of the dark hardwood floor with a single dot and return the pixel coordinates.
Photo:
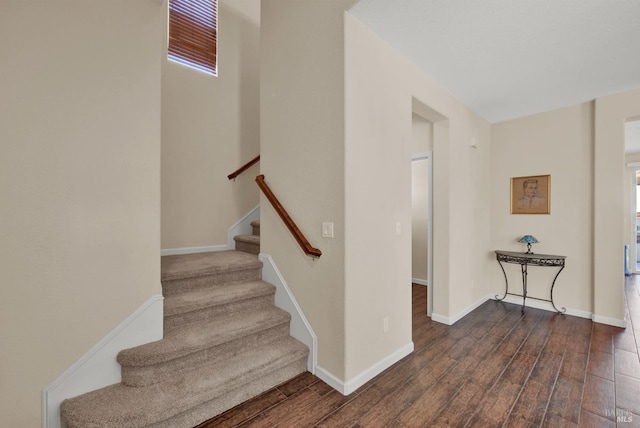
(495, 367)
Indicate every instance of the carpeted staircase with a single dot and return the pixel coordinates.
(249, 243)
(224, 342)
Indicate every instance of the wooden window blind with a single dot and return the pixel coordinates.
(193, 28)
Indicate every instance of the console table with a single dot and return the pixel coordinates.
(525, 260)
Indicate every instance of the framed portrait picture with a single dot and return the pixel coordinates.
(531, 194)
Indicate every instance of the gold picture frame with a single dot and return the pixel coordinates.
(531, 194)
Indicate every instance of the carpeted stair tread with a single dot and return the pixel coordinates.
(181, 342)
(202, 264)
(249, 239)
(255, 227)
(215, 296)
(248, 243)
(196, 415)
(121, 406)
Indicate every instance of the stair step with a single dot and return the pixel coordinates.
(213, 302)
(193, 338)
(237, 396)
(224, 342)
(191, 397)
(188, 272)
(255, 225)
(248, 243)
(202, 343)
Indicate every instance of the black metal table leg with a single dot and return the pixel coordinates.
(523, 267)
(506, 281)
(553, 284)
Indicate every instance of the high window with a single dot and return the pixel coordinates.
(193, 34)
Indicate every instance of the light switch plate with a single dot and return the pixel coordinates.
(327, 229)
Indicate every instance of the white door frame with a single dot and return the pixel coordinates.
(428, 156)
(632, 255)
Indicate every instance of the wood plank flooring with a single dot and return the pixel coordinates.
(494, 368)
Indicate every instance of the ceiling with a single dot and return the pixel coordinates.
(511, 58)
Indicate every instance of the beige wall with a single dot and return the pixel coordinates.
(590, 201)
(337, 136)
(80, 184)
(421, 134)
(609, 212)
(378, 197)
(379, 86)
(559, 143)
(302, 139)
(211, 127)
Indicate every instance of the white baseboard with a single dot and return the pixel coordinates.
(373, 371)
(300, 328)
(538, 304)
(190, 250)
(419, 281)
(346, 388)
(328, 378)
(545, 306)
(609, 321)
(457, 317)
(98, 367)
(530, 303)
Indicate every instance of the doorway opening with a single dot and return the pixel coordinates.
(632, 155)
(422, 205)
(635, 261)
(430, 133)
(421, 223)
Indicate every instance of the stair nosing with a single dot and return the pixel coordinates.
(247, 262)
(160, 352)
(285, 351)
(212, 297)
(247, 239)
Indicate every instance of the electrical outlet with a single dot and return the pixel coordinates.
(385, 324)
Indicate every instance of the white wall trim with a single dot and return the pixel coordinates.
(300, 328)
(373, 371)
(545, 306)
(190, 250)
(421, 155)
(242, 226)
(98, 367)
(440, 318)
(419, 281)
(454, 319)
(532, 303)
(328, 378)
(346, 388)
(609, 321)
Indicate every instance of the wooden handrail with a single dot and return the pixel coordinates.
(243, 168)
(297, 234)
